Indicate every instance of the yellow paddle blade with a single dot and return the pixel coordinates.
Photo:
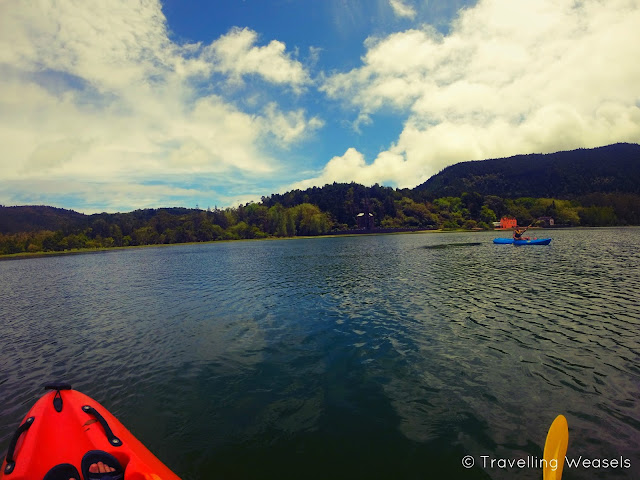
(555, 449)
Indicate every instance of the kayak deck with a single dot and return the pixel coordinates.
(62, 427)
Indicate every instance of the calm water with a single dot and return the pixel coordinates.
(343, 357)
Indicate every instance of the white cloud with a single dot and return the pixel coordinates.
(512, 76)
(401, 9)
(237, 55)
(96, 91)
(110, 45)
(291, 126)
(351, 167)
(97, 197)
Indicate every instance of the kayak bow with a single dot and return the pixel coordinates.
(65, 426)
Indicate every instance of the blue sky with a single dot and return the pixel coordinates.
(114, 106)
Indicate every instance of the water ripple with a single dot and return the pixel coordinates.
(380, 355)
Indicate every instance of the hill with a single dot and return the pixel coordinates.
(33, 218)
(597, 187)
(572, 174)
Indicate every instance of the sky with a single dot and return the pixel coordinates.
(127, 104)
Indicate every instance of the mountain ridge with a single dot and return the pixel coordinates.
(567, 174)
(589, 175)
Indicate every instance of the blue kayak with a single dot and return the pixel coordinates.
(511, 241)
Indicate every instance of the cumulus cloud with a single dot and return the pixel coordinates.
(288, 127)
(351, 167)
(511, 76)
(236, 54)
(97, 92)
(401, 9)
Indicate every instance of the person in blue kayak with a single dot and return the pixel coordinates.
(517, 234)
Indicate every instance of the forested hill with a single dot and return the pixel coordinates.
(599, 187)
(577, 173)
(31, 218)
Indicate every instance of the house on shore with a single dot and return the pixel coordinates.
(508, 223)
(365, 221)
(546, 222)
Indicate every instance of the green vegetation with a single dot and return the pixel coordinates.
(167, 226)
(597, 187)
(316, 211)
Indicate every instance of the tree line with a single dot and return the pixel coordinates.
(316, 211)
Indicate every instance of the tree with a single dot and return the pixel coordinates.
(597, 216)
(487, 215)
(448, 204)
(416, 214)
(145, 236)
(567, 213)
(240, 230)
(277, 221)
(473, 202)
(116, 234)
(496, 204)
(256, 215)
(309, 220)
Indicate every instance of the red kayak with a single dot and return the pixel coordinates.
(65, 432)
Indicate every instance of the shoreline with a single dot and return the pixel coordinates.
(349, 233)
(81, 251)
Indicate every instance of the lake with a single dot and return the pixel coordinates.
(379, 356)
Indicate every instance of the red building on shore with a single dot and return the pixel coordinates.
(508, 222)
